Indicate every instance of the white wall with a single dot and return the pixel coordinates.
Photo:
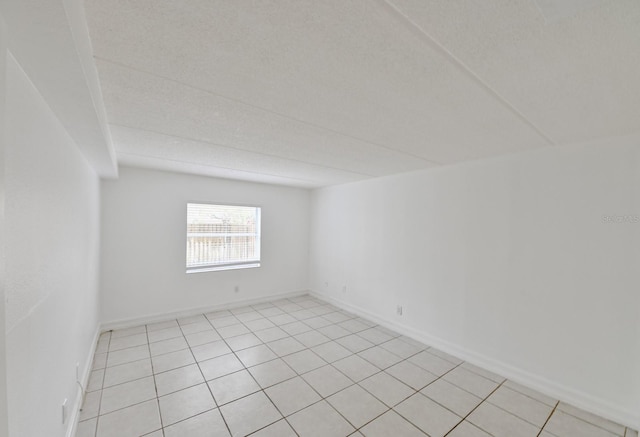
(52, 248)
(144, 244)
(506, 262)
(4, 428)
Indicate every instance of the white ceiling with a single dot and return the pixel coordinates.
(320, 92)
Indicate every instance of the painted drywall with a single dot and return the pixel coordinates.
(510, 262)
(52, 248)
(143, 254)
(4, 428)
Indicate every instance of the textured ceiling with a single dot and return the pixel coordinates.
(314, 93)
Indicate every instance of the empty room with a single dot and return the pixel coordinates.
(321, 218)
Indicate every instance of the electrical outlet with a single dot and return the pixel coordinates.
(399, 310)
(64, 411)
(236, 289)
(344, 288)
(326, 284)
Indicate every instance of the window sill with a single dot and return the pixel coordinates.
(222, 268)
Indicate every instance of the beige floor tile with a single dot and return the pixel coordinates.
(220, 366)
(592, 418)
(292, 395)
(432, 363)
(133, 421)
(128, 355)
(256, 355)
(562, 424)
(430, 417)
(193, 328)
(379, 357)
(471, 382)
(167, 346)
(412, 375)
(210, 350)
(400, 348)
(356, 368)
(186, 403)
(262, 413)
(375, 336)
(128, 341)
(271, 372)
(391, 424)
(547, 400)
(467, 429)
(279, 429)
(357, 405)
(320, 420)
(331, 351)
(271, 334)
(334, 332)
(231, 387)
(354, 343)
(201, 337)
(87, 428)
(243, 341)
(173, 360)
(165, 334)
(452, 397)
(327, 380)
(127, 394)
(304, 361)
(311, 338)
(207, 424)
(520, 405)
(387, 388)
(500, 423)
(127, 372)
(178, 379)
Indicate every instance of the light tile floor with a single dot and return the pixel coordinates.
(303, 367)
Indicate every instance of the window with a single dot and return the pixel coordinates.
(222, 237)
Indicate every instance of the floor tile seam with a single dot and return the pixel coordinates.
(357, 428)
(589, 422)
(462, 388)
(548, 419)
(155, 385)
(112, 331)
(474, 409)
(128, 347)
(106, 361)
(522, 418)
(251, 375)
(129, 380)
(556, 401)
(187, 418)
(373, 394)
(394, 411)
(215, 402)
(97, 417)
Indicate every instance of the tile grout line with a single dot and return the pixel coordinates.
(475, 408)
(548, 418)
(106, 365)
(246, 370)
(308, 345)
(155, 385)
(215, 402)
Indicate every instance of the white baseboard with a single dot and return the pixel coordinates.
(84, 380)
(550, 388)
(159, 317)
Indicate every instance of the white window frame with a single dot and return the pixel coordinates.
(252, 262)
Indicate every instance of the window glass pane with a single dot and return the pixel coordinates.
(223, 236)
